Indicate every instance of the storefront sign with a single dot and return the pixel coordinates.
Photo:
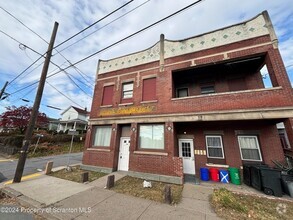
(127, 110)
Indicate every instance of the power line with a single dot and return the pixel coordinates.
(104, 26)
(94, 23)
(20, 44)
(22, 23)
(79, 72)
(63, 94)
(131, 35)
(56, 66)
(61, 42)
(117, 42)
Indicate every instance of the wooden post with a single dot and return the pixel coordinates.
(167, 194)
(85, 177)
(49, 167)
(110, 182)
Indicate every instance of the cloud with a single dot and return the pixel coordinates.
(73, 16)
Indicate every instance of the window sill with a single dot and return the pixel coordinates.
(151, 153)
(227, 93)
(150, 101)
(106, 106)
(216, 165)
(123, 104)
(98, 149)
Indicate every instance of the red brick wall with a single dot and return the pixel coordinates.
(270, 145)
(243, 100)
(98, 158)
(164, 165)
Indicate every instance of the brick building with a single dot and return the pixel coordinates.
(198, 102)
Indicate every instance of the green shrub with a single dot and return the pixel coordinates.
(15, 141)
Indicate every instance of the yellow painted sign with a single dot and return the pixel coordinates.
(127, 110)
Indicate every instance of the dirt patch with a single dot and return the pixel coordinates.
(75, 174)
(134, 186)
(6, 200)
(230, 205)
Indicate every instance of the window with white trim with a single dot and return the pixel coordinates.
(249, 148)
(127, 92)
(102, 136)
(214, 146)
(151, 137)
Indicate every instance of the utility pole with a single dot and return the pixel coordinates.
(3, 89)
(35, 110)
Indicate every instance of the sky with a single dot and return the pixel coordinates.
(75, 87)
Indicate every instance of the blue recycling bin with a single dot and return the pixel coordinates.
(204, 174)
(224, 176)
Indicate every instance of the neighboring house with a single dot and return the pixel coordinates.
(198, 102)
(53, 124)
(73, 118)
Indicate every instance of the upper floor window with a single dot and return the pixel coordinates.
(108, 93)
(207, 89)
(149, 89)
(214, 146)
(127, 90)
(182, 92)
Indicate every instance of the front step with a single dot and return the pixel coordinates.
(188, 178)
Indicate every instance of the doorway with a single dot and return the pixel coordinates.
(123, 160)
(186, 152)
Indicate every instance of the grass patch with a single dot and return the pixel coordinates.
(230, 205)
(75, 174)
(134, 187)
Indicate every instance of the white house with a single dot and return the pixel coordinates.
(72, 118)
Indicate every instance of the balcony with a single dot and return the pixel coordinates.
(220, 78)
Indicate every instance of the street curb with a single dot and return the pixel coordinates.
(55, 169)
(27, 202)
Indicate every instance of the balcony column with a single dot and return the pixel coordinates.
(289, 130)
(170, 139)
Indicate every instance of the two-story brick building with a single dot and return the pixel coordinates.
(199, 102)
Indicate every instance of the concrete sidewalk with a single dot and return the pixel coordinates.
(55, 198)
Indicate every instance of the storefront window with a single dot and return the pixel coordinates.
(102, 136)
(151, 136)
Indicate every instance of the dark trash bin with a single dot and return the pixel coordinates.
(286, 180)
(247, 172)
(267, 180)
(271, 181)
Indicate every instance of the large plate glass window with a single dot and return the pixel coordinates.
(102, 136)
(151, 136)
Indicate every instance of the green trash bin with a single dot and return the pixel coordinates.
(235, 175)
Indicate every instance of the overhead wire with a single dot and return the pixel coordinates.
(63, 94)
(61, 42)
(117, 9)
(104, 25)
(68, 75)
(119, 41)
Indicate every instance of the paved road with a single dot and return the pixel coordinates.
(7, 168)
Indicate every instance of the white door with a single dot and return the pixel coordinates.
(186, 151)
(123, 161)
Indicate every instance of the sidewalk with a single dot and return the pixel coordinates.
(64, 199)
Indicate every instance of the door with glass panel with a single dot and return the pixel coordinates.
(186, 151)
(123, 161)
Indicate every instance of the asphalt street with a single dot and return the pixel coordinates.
(7, 168)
